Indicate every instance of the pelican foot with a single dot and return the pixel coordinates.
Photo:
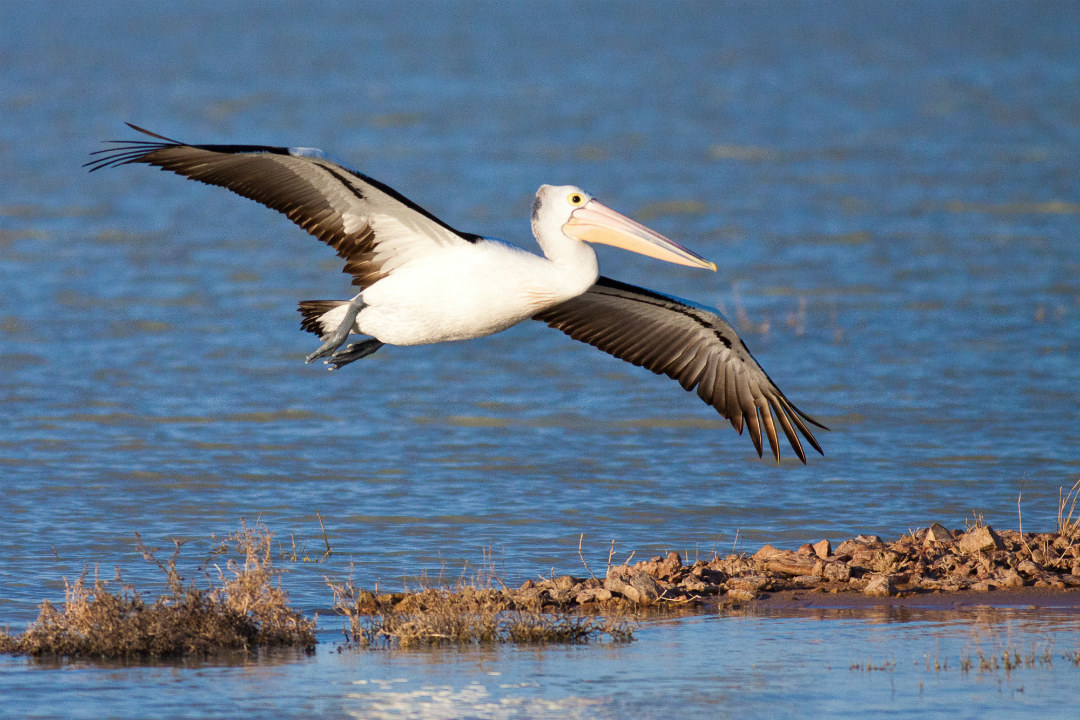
(334, 340)
(352, 353)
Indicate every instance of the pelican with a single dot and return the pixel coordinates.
(421, 281)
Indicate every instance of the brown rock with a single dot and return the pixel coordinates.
(637, 586)
(565, 582)
(560, 597)
(766, 552)
(806, 550)
(693, 585)
(880, 586)
(847, 548)
(822, 549)
(1009, 578)
(732, 565)
(752, 583)
(979, 539)
(593, 595)
(669, 566)
(789, 563)
(836, 571)
(708, 575)
(938, 534)
(1028, 568)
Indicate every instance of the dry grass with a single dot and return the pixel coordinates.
(466, 614)
(1068, 522)
(244, 610)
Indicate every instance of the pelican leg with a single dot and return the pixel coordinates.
(334, 340)
(352, 353)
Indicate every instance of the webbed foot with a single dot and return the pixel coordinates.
(352, 353)
(334, 340)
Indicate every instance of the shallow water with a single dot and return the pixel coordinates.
(821, 663)
(892, 190)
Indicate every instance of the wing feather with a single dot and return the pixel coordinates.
(691, 344)
(372, 227)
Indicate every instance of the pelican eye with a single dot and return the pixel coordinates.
(576, 199)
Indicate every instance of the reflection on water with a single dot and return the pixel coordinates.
(809, 663)
(889, 193)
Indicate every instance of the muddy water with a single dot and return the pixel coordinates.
(891, 196)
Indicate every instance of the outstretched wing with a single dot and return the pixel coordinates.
(688, 343)
(372, 226)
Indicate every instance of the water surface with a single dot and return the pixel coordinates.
(890, 193)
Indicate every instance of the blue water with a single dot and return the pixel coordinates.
(890, 192)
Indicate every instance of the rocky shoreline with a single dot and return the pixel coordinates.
(924, 563)
(247, 608)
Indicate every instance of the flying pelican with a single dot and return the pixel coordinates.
(421, 281)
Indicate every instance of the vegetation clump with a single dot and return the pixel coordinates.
(245, 610)
(465, 614)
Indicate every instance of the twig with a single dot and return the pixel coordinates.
(581, 537)
(325, 540)
(1019, 515)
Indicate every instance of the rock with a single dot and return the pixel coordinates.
(670, 565)
(766, 552)
(983, 586)
(637, 586)
(732, 565)
(874, 559)
(1009, 578)
(560, 597)
(836, 571)
(847, 548)
(751, 583)
(979, 539)
(695, 586)
(786, 562)
(807, 580)
(938, 534)
(1028, 568)
(859, 543)
(565, 582)
(822, 549)
(708, 575)
(593, 595)
(806, 550)
(665, 568)
(880, 586)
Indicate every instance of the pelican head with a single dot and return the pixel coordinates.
(584, 218)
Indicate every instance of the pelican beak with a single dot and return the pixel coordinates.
(595, 222)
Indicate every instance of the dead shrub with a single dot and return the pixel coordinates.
(246, 609)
